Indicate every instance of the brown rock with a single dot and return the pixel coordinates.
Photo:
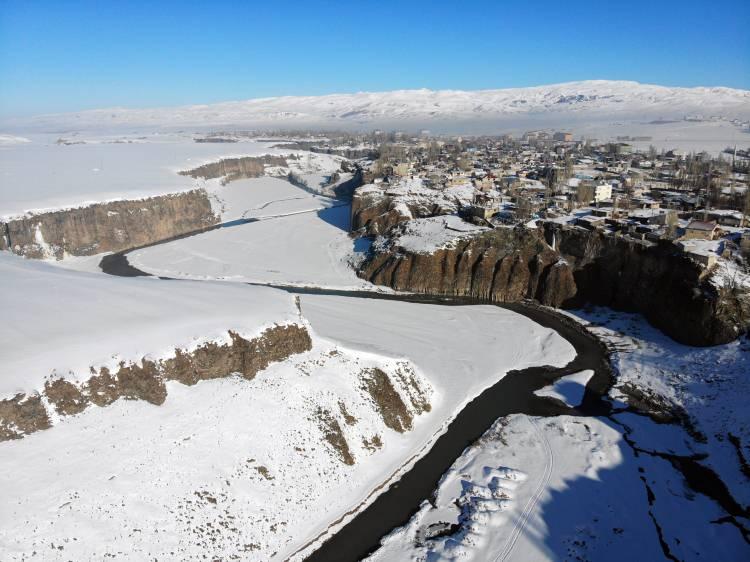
(109, 227)
(388, 402)
(141, 382)
(65, 397)
(334, 436)
(102, 389)
(22, 415)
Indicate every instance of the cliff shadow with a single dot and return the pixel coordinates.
(338, 216)
(635, 506)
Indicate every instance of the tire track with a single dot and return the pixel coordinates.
(534, 499)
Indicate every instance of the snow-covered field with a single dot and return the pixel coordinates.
(298, 248)
(43, 174)
(534, 489)
(425, 236)
(65, 321)
(562, 488)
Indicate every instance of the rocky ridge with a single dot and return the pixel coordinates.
(565, 266)
(107, 227)
(146, 380)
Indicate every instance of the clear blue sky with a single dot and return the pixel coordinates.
(65, 55)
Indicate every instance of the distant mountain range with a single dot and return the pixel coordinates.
(572, 102)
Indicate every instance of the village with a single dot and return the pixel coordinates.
(698, 202)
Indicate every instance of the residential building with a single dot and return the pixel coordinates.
(700, 230)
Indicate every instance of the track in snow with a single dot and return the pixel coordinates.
(534, 499)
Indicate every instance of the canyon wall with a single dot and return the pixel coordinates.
(568, 267)
(672, 291)
(374, 212)
(146, 380)
(107, 227)
(502, 265)
(231, 169)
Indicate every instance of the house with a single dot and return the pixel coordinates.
(700, 230)
(563, 137)
(402, 169)
(653, 216)
(484, 206)
(726, 217)
(589, 221)
(602, 192)
(701, 254)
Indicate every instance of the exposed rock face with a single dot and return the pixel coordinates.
(673, 292)
(375, 209)
(670, 290)
(231, 169)
(21, 415)
(334, 436)
(107, 227)
(498, 265)
(373, 214)
(145, 380)
(388, 402)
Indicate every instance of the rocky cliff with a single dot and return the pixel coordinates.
(565, 267)
(376, 208)
(501, 265)
(146, 380)
(107, 227)
(230, 169)
(673, 292)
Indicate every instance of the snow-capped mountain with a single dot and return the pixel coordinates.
(595, 100)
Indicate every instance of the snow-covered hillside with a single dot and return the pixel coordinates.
(572, 101)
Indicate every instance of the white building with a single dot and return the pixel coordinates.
(602, 192)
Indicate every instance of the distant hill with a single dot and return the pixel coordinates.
(442, 110)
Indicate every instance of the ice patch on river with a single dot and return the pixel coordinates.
(568, 389)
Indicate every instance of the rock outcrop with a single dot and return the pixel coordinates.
(503, 265)
(672, 291)
(230, 169)
(565, 266)
(378, 207)
(107, 227)
(145, 380)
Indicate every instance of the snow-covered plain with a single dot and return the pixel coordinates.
(562, 488)
(504, 494)
(66, 321)
(299, 247)
(43, 174)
